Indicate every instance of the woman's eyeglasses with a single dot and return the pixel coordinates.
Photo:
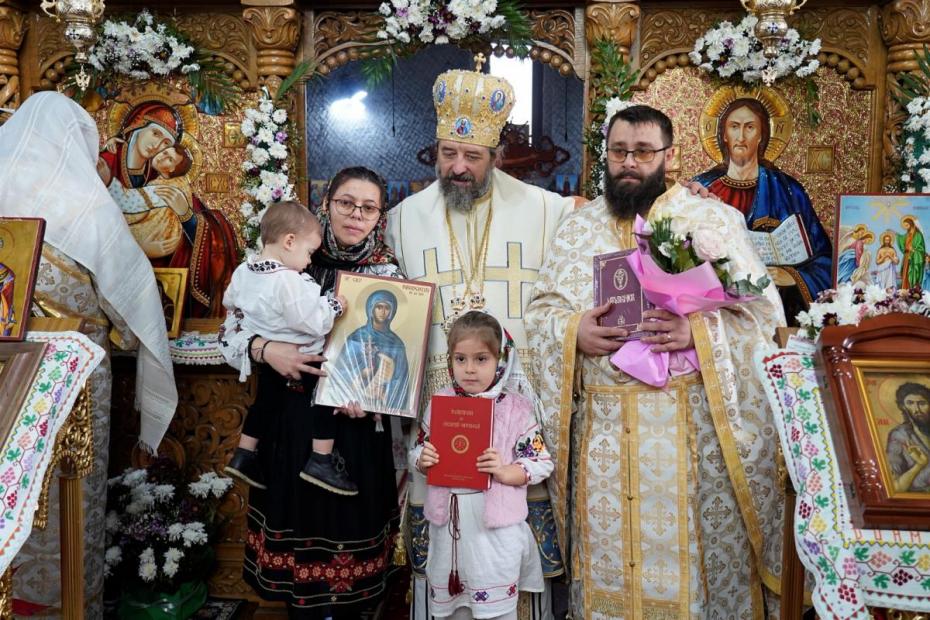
(347, 207)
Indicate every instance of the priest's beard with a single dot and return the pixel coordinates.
(626, 200)
(462, 198)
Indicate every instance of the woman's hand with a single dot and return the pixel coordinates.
(103, 171)
(428, 457)
(286, 358)
(351, 409)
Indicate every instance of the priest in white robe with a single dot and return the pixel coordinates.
(480, 236)
(667, 500)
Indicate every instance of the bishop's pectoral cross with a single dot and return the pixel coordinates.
(479, 61)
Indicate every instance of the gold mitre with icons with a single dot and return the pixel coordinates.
(471, 106)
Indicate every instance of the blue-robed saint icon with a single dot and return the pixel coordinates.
(747, 137)
(372, 366)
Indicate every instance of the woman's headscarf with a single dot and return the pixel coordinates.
(380, 296)
(371, 251)
(509, 376)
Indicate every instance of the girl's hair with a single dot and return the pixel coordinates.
(480, 325)
(358, 173)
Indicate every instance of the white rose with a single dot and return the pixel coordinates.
(679, 226)
(709, 245)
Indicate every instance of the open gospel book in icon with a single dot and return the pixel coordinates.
(376, 353)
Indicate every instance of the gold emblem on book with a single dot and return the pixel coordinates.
(460, 444)
(620, 279)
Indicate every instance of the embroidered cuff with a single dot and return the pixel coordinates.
(335, 305)
(526, 472)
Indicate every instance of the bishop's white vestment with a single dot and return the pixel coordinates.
(667, 500)
(523, 221)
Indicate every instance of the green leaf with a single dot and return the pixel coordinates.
(822, 501)
(297, 75)
(377, 69)
(212, 85)
(811, 429)
(881, 581)
(819, 464)
(907, 557)
(925, 584)
(862, 554)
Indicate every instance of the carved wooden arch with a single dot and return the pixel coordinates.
(339, 37)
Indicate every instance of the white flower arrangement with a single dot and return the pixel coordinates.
(438, 21)
(848, 304)
(158, 529)
(735, 51)
(598, 141)
(915, 149)
(265, 173)
(142, 48)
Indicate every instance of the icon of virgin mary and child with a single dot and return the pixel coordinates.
(145, 167)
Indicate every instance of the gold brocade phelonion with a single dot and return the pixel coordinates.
(472, 298)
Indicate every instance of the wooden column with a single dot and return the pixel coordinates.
(275, 26)
(905, 30)
(614, 20)
(12, 29)
(76, 453)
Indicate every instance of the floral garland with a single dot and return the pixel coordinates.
(159, 529)
(729, 50)
(848, 304)
(410, 24)
(265, 177)
(914, 95)
(145, 47)
(142, 48)
(614, 78)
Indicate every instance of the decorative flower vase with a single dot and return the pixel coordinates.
(178, 605)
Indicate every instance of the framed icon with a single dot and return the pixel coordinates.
(20, 250)
(376, 353)
(172, 287)
(19, 363)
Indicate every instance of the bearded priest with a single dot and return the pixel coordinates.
(667, 500)
(479, 235)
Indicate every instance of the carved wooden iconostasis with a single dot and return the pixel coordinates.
(259, 42)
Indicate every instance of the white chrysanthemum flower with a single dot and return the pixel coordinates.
(194, 534)
(112, 522)
(264, 195)
(277, 151)
(279, 116)
(266, 136)
(265, 106)
(175, 530)
(132, 477)
(260, 156)
(113, 556)
(247, 127)
(163, 492)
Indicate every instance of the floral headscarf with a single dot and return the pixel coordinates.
(331, 258)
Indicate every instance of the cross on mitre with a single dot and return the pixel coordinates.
(479, 60)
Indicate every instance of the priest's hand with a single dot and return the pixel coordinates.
(673, 332)
(351, 409)
(286, 358)
(428, 457)
(594, 340)
(697, 189)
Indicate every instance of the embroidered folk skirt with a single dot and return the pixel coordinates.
(323, 554)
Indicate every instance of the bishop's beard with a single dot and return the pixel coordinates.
(625, 200)
(462, 198)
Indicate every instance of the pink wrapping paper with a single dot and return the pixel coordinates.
(696, 290)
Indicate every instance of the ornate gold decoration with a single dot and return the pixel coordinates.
(12, 29)
(905, 29)
(555, 36)
(80, 17)
(275, 32)
(894, 614)
(820, 159)
(217, 182)
(227, 37)
(615, 21)
(781, 122)
(6, 594)
(76, 440)
(471, 106)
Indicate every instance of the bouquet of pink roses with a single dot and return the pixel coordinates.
(682, 272)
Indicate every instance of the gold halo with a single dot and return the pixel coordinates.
(134, 94)
(781, 123)
(191, 144)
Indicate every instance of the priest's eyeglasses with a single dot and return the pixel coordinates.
(640, 156)
(347, 207)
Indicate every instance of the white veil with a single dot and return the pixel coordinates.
(48, 156)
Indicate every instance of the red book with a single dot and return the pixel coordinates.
(615, 282)
(461, 429)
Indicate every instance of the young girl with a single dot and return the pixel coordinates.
(481, 550)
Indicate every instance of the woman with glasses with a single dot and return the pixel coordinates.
(324, 555)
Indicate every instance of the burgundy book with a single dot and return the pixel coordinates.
(615, 282)
(461, 429)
